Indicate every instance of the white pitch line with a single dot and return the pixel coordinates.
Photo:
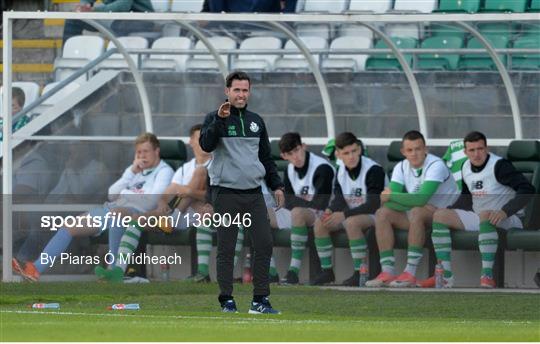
(433, 290)
(264, 320)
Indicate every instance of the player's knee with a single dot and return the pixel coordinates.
(297, 215)
(383, 214)
(418, 214)
(442, 216)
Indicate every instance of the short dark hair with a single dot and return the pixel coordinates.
(18, 93)
(194, 128)
(346, 139)
(413, 135)
(474, 136)
(236, 75)
(289, 141)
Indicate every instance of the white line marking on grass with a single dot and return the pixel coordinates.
(433, 290)
(265, 319)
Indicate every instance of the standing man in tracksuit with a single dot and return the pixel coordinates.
(239, 142)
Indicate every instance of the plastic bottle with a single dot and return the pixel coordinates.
(165, 272)
(363, 276)
(125, 306)
(46, 305)
(247, 276)
(439, 275)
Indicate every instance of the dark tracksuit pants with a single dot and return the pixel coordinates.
(233, 201)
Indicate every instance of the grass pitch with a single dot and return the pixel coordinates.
(181, 311)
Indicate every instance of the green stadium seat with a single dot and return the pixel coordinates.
(443, 29)
(483, 61)
(393, 155)
(469, 6)
(530, 29)
(534, 7)
(440, 61)
(525, 155)
(526, 61)
(389, 61)
(275, 152)
(173, 152)
(505, 6)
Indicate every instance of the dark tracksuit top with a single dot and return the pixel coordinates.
(241, 163)
(241, 151)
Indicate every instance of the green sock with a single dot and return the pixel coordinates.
(387, 261)
(204, 246)
(128, 244)
(358, 252)
(324, 250)
(273, 269)
(488, 240)
(442, 242)
(239, 245)
(414, 255)
(299, 238)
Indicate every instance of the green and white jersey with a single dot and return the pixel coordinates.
(454, 158)
(433, 169)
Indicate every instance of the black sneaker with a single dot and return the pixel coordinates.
(537, 278)
(274, 279)
(263, 307)
(353, 281)
(326, 276)
(229, 306)
(290, 278)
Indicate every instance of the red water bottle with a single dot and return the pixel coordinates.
(247, 276)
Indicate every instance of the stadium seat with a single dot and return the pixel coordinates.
(403, 30)
(440, 61)
(173, 152)
(389, 61)
(258, 62)
(423, 6)
(505, 6)
(443, 29)
(449, 6)
(379, 6)
(534, 7)
(330, 6)
(30, 89)
(206, 62)
(78, 51)
(299, 62)
(186, 5)
(161, 5)
(276, 156)
(355, 30)
(530, 29)
(325, 30)
(168, 62)
(526, 61)
(348, 62)
(61, 94)
(117, 61)
(393, 155)
(525, 155)
(483, 61)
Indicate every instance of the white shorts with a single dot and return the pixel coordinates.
(283, 218)
(471, 221)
